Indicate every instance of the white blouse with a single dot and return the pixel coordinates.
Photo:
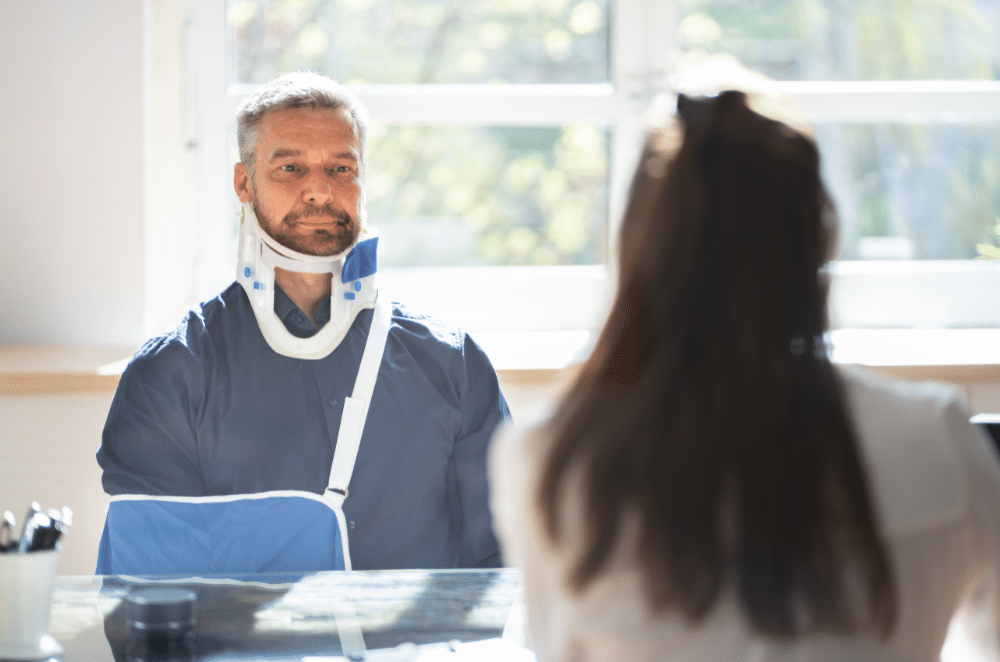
(936, 486)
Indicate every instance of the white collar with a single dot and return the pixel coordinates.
(353, 286)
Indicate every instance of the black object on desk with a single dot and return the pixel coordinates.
(990, 423)
(160, 611)
(161, 622)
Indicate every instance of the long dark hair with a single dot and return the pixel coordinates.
(709, 406)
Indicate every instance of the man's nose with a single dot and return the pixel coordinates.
(317, 190)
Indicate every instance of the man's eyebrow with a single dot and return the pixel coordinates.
(347, 154)
(282, 153)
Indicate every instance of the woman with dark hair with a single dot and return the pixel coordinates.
(712, 487)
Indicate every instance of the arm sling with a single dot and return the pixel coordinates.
(275, 531)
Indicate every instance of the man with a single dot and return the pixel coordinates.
(220, 440)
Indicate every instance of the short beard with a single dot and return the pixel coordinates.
(322, 242)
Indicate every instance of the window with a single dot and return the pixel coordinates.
(913, 181)
(505, 132)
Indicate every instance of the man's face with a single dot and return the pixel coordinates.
(307, 188)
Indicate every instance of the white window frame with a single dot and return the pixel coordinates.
(527, 300)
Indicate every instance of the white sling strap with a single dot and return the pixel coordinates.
(352, 423)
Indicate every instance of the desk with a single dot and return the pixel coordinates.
(292, 616)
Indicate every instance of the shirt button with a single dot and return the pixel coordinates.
(351, 525)
(332, 403)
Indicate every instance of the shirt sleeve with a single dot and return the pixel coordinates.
(483, 409)
(514, 467)
(507, 492)
(149, 442)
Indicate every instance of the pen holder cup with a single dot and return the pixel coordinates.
(26, 583)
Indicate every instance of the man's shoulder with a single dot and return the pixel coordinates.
(412, 325)
(435, 340)
(186, 343)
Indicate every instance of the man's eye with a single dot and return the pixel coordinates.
(288, 168)
(341, 168)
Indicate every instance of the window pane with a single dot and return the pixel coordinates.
(913, 191)
(421, 41)
(848, 39)
(488, 195)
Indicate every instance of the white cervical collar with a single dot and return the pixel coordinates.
(353, 285)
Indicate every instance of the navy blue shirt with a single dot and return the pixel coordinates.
(210, 409)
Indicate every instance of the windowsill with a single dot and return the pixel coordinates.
(954, 355)
(535, 350)
(47, 369)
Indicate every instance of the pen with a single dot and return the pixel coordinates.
(32, 509)
(20, 546)
(46, 537)
(7, 541)
(46, 534)
(63, 526)
(33, 528)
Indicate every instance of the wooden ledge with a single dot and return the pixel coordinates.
(28, 383)
(49, 369)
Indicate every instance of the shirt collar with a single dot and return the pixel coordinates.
(294, 319)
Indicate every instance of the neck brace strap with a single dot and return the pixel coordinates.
(353, 286)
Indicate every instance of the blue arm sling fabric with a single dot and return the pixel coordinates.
(211, 535)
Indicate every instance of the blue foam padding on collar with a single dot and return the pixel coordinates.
(361, 261)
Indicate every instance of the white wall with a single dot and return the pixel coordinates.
(71, 174)
(48, 444)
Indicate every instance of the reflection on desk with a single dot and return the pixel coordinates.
(400, 613)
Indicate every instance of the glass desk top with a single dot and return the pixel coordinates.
(401, 614)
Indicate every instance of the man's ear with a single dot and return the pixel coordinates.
(241, 182)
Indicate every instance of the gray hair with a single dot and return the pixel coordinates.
(295, 90)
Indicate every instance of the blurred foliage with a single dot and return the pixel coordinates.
(990, 251)
(422, 41)
(934, 184)
(489, 195)
(930, 188)
(848, 39)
